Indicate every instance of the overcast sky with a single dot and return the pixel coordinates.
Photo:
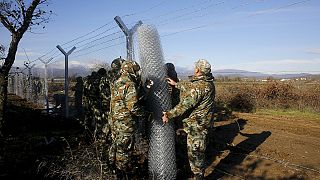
(270, 36)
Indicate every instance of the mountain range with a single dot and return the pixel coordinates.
(181, 71)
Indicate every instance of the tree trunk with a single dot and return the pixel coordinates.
(4, 71)
(3, 101)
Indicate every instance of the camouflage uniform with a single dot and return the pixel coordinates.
(96, 102)
(78, 96)
(124, 108)
(198, 98)
(92, 100)
(106, 87)
(88, 114)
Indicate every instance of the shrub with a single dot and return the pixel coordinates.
(248, 96)
(242, 103)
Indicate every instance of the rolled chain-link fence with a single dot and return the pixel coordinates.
(162, 164)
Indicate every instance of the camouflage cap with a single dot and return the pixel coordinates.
(203, 65)
(116, 63)
(130, 66)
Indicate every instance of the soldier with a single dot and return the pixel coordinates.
(174, 92)
(96, 102)
(92, 100)
(106, 87)
(78, 93)
(199, 100)
(88, 114)
(125, 109)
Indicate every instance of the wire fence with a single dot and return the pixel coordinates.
(27, 87)
(32, 88)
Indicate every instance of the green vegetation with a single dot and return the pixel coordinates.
(307, 114)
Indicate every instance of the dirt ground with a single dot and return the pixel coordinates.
(267, 147)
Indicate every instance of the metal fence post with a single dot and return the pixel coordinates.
(129, 33)
(46, 81)
(66, 82)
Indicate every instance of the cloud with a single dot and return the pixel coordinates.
(288, 62)
(175, 58)
(28, 53)
(277, 66)
(314, 51)
(76, 63)
(269, 11)
(180, 60)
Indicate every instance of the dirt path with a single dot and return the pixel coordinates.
(267, 147)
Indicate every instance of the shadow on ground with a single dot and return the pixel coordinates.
(30, 136)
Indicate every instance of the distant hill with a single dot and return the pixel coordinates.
(74, 71)
(182, 73)
(238, 73)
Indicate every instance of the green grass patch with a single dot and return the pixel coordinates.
(306, 114)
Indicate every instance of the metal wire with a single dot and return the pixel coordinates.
(161, 154)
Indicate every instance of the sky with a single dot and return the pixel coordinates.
(269, 36)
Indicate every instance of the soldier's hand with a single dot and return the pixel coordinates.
(171, 82)
(165, 118)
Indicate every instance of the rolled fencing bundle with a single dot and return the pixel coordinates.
(161, 155)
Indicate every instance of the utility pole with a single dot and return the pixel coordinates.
(66, 82)
(46, 81)
(129, 35)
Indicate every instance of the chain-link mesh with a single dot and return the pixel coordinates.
(162, 163)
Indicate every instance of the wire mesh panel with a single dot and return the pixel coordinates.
(162, 163)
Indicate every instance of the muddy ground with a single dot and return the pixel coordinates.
(247, 146)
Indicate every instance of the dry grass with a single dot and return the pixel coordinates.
(248, 96)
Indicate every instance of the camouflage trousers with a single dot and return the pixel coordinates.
(121, 151)
(196, 144)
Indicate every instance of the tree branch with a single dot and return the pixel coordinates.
(22, 8)
(6, 23)
(28, 18)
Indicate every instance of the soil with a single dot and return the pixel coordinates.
(247, 146)
(266, 147)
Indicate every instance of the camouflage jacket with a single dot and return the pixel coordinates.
(198, 98)
(104, 89)
(124, 105)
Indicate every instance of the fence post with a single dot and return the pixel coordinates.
(129, 35)
(29, 67)
(66, 82)
(46, 81)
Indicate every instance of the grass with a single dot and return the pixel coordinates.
(306, 114)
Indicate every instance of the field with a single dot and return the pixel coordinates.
(270, 145)
(262, 131)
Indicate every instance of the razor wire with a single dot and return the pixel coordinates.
(161, 154)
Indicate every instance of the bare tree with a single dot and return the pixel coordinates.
(17, 16)
(2, 50)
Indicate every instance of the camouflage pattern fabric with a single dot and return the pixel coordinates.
(203, 66)
(88, 114)
(106, 87)
(198, 98)
(78, 94)
(124, 111)
(92, 101)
